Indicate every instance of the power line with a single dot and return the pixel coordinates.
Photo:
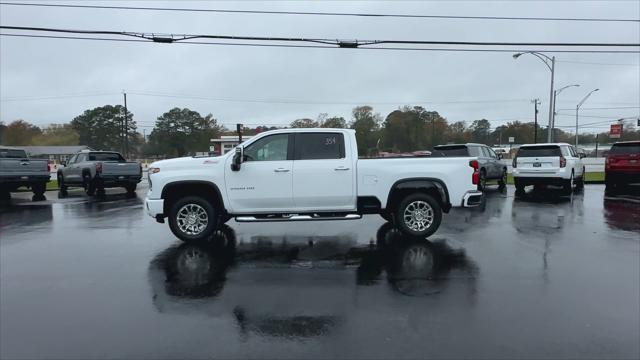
(297, 101)
(31, 98)
(597, 63)
(171, 38)
(269, 12)
(603, 108)
(329, 47)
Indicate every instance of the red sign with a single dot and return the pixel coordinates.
(615, 131)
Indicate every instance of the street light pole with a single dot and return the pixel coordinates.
(535, 102)
(550, 62)
(552, 102)
(555, 95)
(578, 108)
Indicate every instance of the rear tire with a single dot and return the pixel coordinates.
(62, 193)
(38, 191)
(482, 180)
(192, 219)
(131, 188)
(580, 181)
(419, 215)
(502, 183)
(89, 185)
(519, 186)
(5, 194)
(567, 186)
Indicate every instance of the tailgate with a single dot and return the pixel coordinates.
(24, 167)
(120, 168)
(545, 163)
(624, 162)
(539, 158)
(624, 157)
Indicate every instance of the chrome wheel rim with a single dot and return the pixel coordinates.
(418, 215)
(192, 219)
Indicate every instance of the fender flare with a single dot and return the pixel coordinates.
(423, 184)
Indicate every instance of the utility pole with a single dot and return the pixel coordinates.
(535, 102)
(126, 127)
(596, 145)
(144, 136)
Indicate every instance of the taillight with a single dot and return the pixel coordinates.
(49, 166)
(98, 167)
(514, 163)
(563, 162)
(476, 175)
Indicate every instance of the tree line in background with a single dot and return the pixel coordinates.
(180, 132)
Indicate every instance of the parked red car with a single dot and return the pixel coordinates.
(622, 165)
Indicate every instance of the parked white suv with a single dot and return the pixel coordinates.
(307, 174)
(556, 164)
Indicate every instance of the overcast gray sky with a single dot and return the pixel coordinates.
(278, 85)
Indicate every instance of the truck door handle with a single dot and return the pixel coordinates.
(281, 170)
(341, 168)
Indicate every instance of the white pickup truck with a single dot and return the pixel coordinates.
(307, 174)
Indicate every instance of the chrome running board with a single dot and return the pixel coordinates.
(314, 217)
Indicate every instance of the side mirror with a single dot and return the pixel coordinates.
(63, 163)
(499, 156)
(582, 156)
(237, 159)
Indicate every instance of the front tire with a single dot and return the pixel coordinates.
(419, 215)
(192, 219)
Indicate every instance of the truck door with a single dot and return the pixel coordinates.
(323, 172)
(71, 171)
(263, 183)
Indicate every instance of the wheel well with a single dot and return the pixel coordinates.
(397, 195)
(173, 191)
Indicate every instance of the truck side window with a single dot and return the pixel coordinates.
(269, 148)
(315, 146)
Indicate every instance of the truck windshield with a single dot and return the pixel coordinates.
(625, 148)
(452, 150)
(539, 151)
(106, 157)
(12, 154)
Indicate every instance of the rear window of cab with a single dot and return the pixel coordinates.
(539, 151)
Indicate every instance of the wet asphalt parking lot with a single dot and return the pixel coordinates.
(538, 277)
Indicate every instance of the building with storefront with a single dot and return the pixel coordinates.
(55, 154)
(225, 143)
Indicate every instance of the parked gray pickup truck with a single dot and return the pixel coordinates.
(17, 170)
(97, 170)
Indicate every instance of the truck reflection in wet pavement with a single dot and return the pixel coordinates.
(297, 288)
